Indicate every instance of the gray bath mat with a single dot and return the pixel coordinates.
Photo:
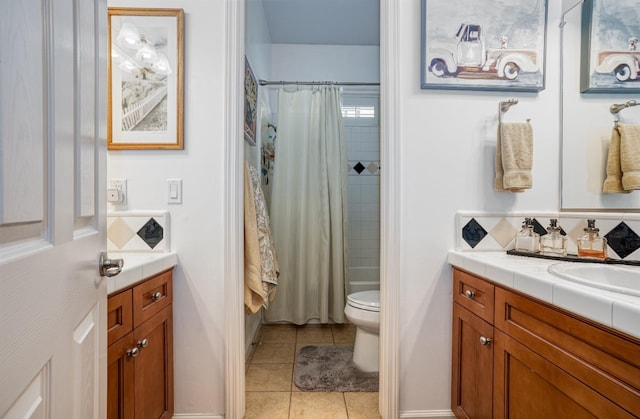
(330, 368)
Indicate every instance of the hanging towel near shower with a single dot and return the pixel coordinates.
(630, 156)
(514, 157)
(260, 263)
(613, 181)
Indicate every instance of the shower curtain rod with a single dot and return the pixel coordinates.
(316, 83)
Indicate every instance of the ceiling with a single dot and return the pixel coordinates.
(323, 22)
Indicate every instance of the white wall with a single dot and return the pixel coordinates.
(447, 148)
(325, 63)
(197, 228)
(447, 164)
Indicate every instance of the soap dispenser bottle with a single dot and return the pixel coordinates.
(591, 245)
(553, 243)
(527, 240)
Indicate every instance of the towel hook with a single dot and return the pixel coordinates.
(504, 106)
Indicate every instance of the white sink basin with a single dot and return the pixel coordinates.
(625, 280)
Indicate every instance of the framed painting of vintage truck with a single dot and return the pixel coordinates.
(484, 45)
(610, 54)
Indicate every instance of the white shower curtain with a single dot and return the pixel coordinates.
(309, 208)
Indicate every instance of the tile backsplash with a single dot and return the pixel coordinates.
(138, 231)
(484, 231)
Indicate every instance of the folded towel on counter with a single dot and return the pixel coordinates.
(613, 182)
(514, 157)
(630, 156)
(261, 269)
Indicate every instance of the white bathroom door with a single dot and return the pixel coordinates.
(52, 209)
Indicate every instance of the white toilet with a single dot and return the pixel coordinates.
(363, 310)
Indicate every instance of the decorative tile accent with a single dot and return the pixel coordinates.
(538, 228)
(120, 233)
(151, 233)
(364, 167)
(623, 240)
(132, 231)
(359, 168)
(622, 236)
(504, 232)
(473, 233)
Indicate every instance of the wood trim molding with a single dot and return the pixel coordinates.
(390, 209)
(234, 236)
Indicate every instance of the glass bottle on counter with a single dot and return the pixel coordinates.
(527, 240)
(591, 245)
(553, 243)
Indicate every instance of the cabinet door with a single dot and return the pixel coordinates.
(154, 367)
(120, 390)
(472, 365)
(527, 385)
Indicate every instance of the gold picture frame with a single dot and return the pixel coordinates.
(145, 79)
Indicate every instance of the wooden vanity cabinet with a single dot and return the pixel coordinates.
(546, 362)
(140, 352)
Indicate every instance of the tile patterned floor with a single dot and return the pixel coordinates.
(270, 391)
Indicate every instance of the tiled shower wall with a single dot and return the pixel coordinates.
(363, 153)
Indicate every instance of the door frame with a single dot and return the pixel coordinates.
(390, 233)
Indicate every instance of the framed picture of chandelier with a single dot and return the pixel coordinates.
(145, 78)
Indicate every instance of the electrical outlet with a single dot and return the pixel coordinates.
(120, 185)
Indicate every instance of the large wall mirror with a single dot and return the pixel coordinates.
(587, 122)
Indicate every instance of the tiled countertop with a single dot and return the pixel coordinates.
(530, 276)
(138, 266)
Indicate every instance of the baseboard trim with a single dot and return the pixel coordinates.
(197, 416)
(428, 414)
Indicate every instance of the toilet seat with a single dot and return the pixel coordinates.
(365, 300)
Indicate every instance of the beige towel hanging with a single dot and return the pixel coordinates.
(630, 156)
(613, 182)
(261, 268)
(253, 291)
(514, 157)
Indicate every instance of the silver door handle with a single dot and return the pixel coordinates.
(109, 267)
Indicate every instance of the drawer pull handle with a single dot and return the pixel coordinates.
(156, 296)
(133, 352)
(143, 343)
(484, 341)
(470, 294)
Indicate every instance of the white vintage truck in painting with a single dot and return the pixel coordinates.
(465, 56)
(625, 65)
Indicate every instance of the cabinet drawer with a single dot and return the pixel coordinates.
(151, 296)
(119, 316)
(608, 361)
(474, 294)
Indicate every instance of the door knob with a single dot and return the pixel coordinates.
(485, 341)
(143, 343)
(156, 296)
(470, 294)
(133, 352)
(109, 267)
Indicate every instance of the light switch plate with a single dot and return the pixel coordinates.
(174, 191)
